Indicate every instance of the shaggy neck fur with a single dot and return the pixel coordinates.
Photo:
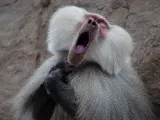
(87, 63)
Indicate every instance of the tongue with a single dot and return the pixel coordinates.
(79, 49)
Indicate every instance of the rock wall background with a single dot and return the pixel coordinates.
(23, 25)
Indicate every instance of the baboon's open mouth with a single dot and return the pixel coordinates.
(79, 49)
(82, 43)
(83, 40)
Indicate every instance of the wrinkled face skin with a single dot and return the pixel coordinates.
(91, 27)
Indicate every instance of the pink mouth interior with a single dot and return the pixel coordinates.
(79, 49)
(82, 43)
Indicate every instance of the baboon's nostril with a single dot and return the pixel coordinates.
(94, 23)
(89, 21)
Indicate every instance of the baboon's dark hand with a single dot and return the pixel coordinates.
(59, 91)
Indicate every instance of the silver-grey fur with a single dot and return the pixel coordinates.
(117, 96)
